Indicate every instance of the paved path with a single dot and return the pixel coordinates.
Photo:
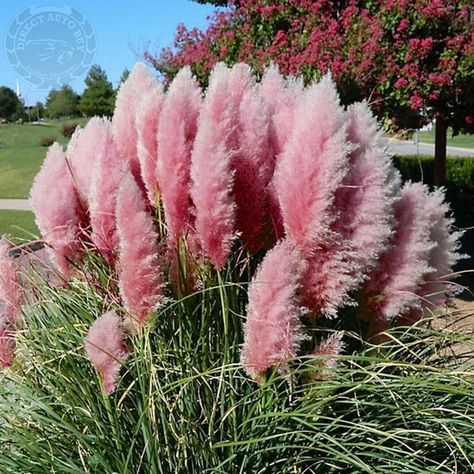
(15, 204)
(400, 147)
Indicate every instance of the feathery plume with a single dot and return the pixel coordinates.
(57, 209)
(253, 164)
(312, 165)
(393, 285)
(107, 174)
(10, 289)
(139, 270)
(176, 136)
(280, 97)
(273, 332)
(211, 170)
(327, 351)
(437, 288)
(309, 171)
(83, 149)
(148, 122)
(138, 84)
(105, 346)
(364, 201)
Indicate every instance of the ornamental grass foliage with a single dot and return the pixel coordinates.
(221, 267)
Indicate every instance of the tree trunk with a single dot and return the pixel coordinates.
(441, 130)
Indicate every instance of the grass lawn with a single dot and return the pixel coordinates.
(461, 141)
(21, 155)
(20, 225)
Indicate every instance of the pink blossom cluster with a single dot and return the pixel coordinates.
(270, 169)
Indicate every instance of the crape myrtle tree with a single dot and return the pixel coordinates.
(412, 60)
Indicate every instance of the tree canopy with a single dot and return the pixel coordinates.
(9, 103)
(99, 96)
(62, 103)
(412, 60)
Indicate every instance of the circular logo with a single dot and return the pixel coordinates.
(50, 46)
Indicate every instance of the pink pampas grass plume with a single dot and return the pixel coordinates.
(280, 97)
(10, 289)
(309, 172)
(365, 199)
(437, 287)
(128, 103)
(139, 269)
(211, 170)
(57, 209)
(105, 346)
(273, 332)
(7, 342)
(327, 352)
(253, 164)
(148, 121)
(107, 175)
(82, 152)
(362, 204)
(393, 285)
(312, 165)
(176, 136)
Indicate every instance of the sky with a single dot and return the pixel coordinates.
(122, 30)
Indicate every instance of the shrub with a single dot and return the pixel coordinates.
(336, 250)
(68, 129)
(46, 141)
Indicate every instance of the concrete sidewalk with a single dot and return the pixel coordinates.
(15, 205)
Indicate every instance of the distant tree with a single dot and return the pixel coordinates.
(37, 111)
(9, 103)
(99, 97)
(62, 103)
(124, 76)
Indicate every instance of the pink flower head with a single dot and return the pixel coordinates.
(211, 170)
(272, 330)
(57, 209)
(253, 164)
(176, 136)
(7, 342)
(10, 289)
(393, 285)
(437, 287)
(148, 121)
(105, 346)
(107, 174)
(312, 165)
(365, 199)
(327, 350)
(138, 84)
(82, 152)
(139, 270)
(280, 97)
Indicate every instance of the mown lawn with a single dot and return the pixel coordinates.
(19, 225)
(21, 154)
(461, 141)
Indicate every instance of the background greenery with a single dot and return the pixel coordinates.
(21, 154)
